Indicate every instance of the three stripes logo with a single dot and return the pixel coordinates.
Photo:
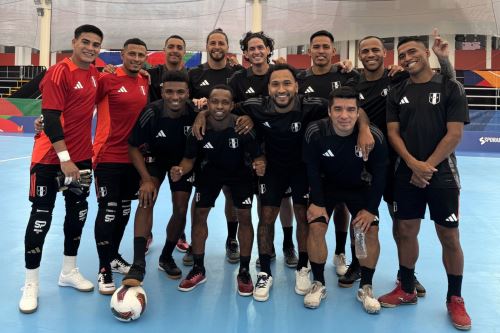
(122, 90)
(404, 100)
(452, 218)
(143, 90)
(78, 85)
(248, 201)
(94, 82)
(250, 91)
(328, 153)
(361, 97)
(208, 145)
(266, 124)
(161, 134)
(309, 90)
(204, 83)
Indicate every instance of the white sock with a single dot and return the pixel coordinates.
(32, 275)
(69, 263)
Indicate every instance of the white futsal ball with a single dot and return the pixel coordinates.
(128, 303)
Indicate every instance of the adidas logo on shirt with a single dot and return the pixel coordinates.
(361, 97)
(160, 134)
(208, 145)
(247, 201)
(122, 90)
(78, 85)
(309, 90)
(452, 218)
(404, 100)
(250, 91)
(266, 124)
(204, 83)
(328, 153)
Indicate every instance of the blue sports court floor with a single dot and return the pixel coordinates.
(215, 306)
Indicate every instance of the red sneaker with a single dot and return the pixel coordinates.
(182, 245)
(458, 314)
(398, 297)
(192, 280)
(245, 284)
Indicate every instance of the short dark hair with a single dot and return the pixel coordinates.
(280, 67)
(134, 41)
(175, 37)
(321, 33)
(370, 37)
(217, 31)
(88, 28)
(222, 87)
(342, 92)
(175, 76)
(405, 40)
(268, 41)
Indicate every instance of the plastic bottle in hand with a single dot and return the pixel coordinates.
(360, 243)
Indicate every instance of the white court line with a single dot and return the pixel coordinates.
(13, 159)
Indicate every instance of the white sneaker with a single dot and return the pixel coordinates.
(120, 265)
(262, 287)
(365, 296)
(302, 281)
(29, 300)
(340, 264)
(313, 298)
(106, 283)
(76, 280)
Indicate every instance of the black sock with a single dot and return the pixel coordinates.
(340, 239)
(139, 251)
(199, 261)
(366, 276)
(287, 237)
(232, 229)
(407, 279)
(245, 263)
(318, 272)
(454, 286)
(303, 259)
(183, 236)
(354, 261)
(168, 249)
(265, 263)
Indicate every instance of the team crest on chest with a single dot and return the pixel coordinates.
(358, 152)
(41, 191)
(434, 98)
(384, 92)
(233, 143)
(187, 130)
(336, 85)
(295, 127)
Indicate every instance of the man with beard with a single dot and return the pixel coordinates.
(120, 96)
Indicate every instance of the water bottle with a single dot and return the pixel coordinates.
(359, 243)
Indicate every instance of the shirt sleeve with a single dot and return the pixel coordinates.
(377, 166)
(392, 108)
(352, 79)
(191, 147)
(457, 109)
(103, 87)
(55, 88)
(142, 134)
(311, 156)
(252, 145)
(318, 109)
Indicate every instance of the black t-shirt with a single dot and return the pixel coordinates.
(373, 97)
(246, 84)
(156, 77)
(160, 136)
(334, 163)
(423, 111)
(282, 133)
(224, 153)
(202, 78)
(321, 85)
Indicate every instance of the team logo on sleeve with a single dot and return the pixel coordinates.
(434, 98)
(358, 152)
(41, 191)
(187, 130)
(336, 85)
(295, 127)
(233, 143)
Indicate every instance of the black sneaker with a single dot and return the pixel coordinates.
(135, 276)
(418, 286)
(120, 265)
(290, 255)
(353, 274)
(187, 259)
(169, 267)
(232, 250)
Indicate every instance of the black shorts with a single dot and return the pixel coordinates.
(161, 170)
(355, 200)
(116, 181)
(276, 182)
(410, 203)
(209, 186)
(43, 186)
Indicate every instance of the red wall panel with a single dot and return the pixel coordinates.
(474, 59)
(7, 59)
(495, 59)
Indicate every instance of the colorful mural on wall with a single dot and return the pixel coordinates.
(191, 59)
(17, 114)
(489, 79)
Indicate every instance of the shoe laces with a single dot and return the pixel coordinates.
(316, 286)
(304, 272)
(458, 305)
(193, 273)
(262, 281)
(75, 275)
(341, 260)
(244, 276)
(121, 261)
(289, 252)
(232, 245)
(30, 290)
(105, 277)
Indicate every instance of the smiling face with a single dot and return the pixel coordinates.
(321, 51)
(343, 114)
(257, 52)
(220, 104)
(86, 49)
(133, 57)
(413, 57)
(282, 87)
(175, 94)
(217, 46)
(174, 51)
(371, 54)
